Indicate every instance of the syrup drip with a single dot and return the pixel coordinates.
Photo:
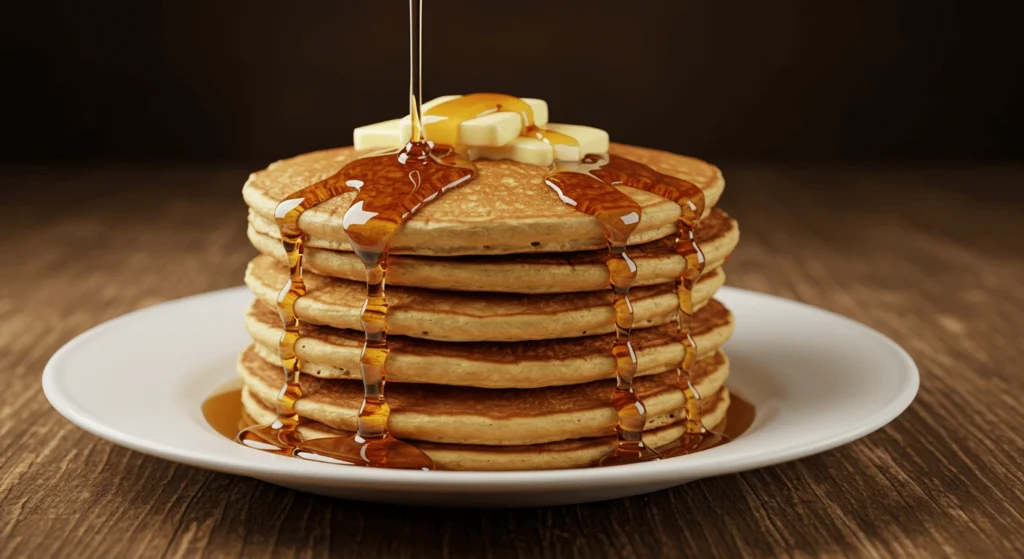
(389, 188)
(447, 118)
(588, 186)
(618, 215)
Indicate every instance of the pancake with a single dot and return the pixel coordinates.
(657, 262)
(494, 417)
(546, 456)
(467, 317)
(332, 353)
(506, 209)
(500, 318)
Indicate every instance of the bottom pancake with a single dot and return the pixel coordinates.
(494, 417)
(577, 453)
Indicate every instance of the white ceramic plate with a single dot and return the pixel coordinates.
(817, 379)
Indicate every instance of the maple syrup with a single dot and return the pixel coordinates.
(589, 186)
(389, 188)
(223, 411)
(618, 215)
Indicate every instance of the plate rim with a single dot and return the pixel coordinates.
(703, 464)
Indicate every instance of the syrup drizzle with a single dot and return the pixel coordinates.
(618, 215)
(588, 186)
(389, 188)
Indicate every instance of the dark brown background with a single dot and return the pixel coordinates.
(727, 80)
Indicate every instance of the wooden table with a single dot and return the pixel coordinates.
(930, 256)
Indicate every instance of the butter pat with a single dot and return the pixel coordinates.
(381, 135)
(489, 134)
(591, 140)
(524, 150)
(537, 152)
(490, 129)
(392, 134)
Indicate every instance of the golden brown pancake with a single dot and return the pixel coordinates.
(496, 417)
(545, 456)
(506, 209)
(467, 317)
(333, 353)
(657, 262)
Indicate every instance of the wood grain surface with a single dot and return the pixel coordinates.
(930, 256)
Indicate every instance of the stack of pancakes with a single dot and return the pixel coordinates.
(501, 321)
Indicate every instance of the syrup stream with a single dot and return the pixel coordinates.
(388, 189)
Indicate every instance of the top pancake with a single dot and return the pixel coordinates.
(506, 209)
(466, 415)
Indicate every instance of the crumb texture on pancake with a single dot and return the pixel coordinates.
(463, 221)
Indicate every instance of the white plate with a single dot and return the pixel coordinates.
(817, 379)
